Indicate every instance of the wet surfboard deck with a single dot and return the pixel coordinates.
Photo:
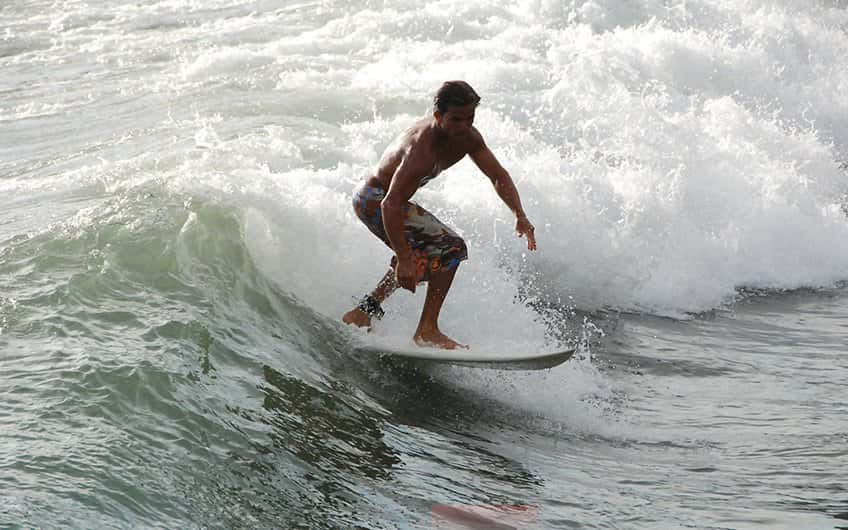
(500, 360)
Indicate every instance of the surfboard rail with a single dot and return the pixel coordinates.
(475, 359)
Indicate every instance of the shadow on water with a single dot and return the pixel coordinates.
(471, 424)
(324, 431)
(317, 462)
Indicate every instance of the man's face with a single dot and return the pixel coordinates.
(457, 120)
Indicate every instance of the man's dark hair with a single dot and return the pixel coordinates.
(454, 94)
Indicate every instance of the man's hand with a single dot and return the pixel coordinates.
(406, 272)
(524, 227)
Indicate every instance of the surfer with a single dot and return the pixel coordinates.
(425, 249)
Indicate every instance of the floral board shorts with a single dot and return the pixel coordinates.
(436, 247)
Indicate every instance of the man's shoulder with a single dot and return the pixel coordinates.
(421, 137)
(475, 141)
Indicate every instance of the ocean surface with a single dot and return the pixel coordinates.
(177, 246)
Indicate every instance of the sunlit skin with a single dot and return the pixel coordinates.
(434, 143)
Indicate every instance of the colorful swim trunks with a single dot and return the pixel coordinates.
(436, 247)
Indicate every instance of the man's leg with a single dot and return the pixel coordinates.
(384, 289)
(428, 333)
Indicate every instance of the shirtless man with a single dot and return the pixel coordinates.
(425, 249)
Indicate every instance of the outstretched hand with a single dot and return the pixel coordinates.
(524, 227)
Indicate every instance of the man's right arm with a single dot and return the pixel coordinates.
(404, 184)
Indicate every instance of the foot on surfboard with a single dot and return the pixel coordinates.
(437, 339)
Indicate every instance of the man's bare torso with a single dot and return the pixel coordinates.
(444, 151)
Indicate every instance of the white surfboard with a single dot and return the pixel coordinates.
(501, 360)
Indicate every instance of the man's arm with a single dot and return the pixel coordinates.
(414, 164)
(505, 188)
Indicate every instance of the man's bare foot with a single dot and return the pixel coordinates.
(358, 318)
(436, 339)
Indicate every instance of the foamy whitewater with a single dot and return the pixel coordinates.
(177, 245)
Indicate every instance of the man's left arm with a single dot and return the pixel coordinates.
(504, 186)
